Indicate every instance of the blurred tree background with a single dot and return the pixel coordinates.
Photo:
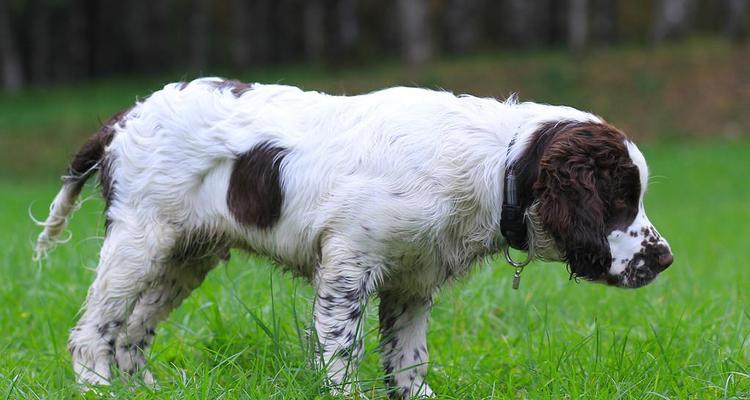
(673, 74)
(50, 41)
(661, 69)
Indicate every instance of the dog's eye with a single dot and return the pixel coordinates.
(620, 204)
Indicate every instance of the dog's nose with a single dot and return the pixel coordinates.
(664, 261)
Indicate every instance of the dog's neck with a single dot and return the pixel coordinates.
(536, 129)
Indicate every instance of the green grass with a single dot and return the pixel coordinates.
(241, 334)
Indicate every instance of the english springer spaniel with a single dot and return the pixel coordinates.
(393, 193)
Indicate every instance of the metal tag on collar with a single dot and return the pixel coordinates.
(517, 265)
(517, 278)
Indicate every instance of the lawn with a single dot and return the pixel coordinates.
(242, 334)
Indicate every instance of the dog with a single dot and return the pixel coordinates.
(394, 193)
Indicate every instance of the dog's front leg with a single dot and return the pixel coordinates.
(343, 283)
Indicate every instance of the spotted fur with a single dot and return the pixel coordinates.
(390, 194)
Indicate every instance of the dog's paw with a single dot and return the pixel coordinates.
(415, 392)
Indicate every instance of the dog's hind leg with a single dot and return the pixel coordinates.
(403, 329)
(154, 305)
(132, 255)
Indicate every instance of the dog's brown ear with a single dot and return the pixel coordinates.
(570, 204)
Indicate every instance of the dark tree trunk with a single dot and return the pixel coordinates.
(12, 73)
(262, 28)
(199, 30)
(314, 30)
(39, 43)
(147, 34)
(287, 31)
(348, 28)
(113, 47)
(735, 19)
(78, 50)
(241, 19)
(604, 21)
(577, 24)
(528, 22)
(462, 25)
(158, 25)
(250, 32)
(414, 29)
(138, 37)
(671, 19)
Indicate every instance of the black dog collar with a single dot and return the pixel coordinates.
(512, 218)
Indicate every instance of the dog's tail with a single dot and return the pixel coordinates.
(84, 164)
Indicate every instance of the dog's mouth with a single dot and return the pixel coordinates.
(631, 278)
(639, 272)
(625, 280)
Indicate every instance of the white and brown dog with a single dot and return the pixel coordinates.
(393, 193)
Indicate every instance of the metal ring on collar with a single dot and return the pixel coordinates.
(511, 261)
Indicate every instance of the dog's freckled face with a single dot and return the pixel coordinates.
(586, 182)
(639, 253)
(390, 194)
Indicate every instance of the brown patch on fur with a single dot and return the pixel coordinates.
(587, 186)
(105, 181)
(105, 166)
(91, 157)
(526, 168)
(236, 87)
(254, 196)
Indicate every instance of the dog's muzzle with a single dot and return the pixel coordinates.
(644, 267)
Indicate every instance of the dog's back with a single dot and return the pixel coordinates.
(339, 161)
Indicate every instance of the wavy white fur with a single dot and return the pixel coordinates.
(408, 182)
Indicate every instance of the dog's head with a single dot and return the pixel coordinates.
(588, 184)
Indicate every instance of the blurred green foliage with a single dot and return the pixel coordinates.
(694, 89)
